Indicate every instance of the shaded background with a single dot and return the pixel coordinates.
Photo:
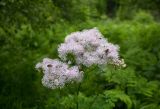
(32, 30)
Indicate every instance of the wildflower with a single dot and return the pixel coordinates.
(89, 47)
(57, 73)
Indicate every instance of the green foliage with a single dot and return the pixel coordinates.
(112, 96)
(32, 30)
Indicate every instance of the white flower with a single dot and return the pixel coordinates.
(67, 48)
(74, 74)
(89, 47)
(57, 73)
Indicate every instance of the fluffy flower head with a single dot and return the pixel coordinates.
(89, 47)
(57, 73)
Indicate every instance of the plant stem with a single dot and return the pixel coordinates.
(77, 105)
(59, 90)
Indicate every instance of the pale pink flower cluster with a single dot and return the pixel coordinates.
(89, 48)
(57, 73)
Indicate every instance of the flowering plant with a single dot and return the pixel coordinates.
(80, 51)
